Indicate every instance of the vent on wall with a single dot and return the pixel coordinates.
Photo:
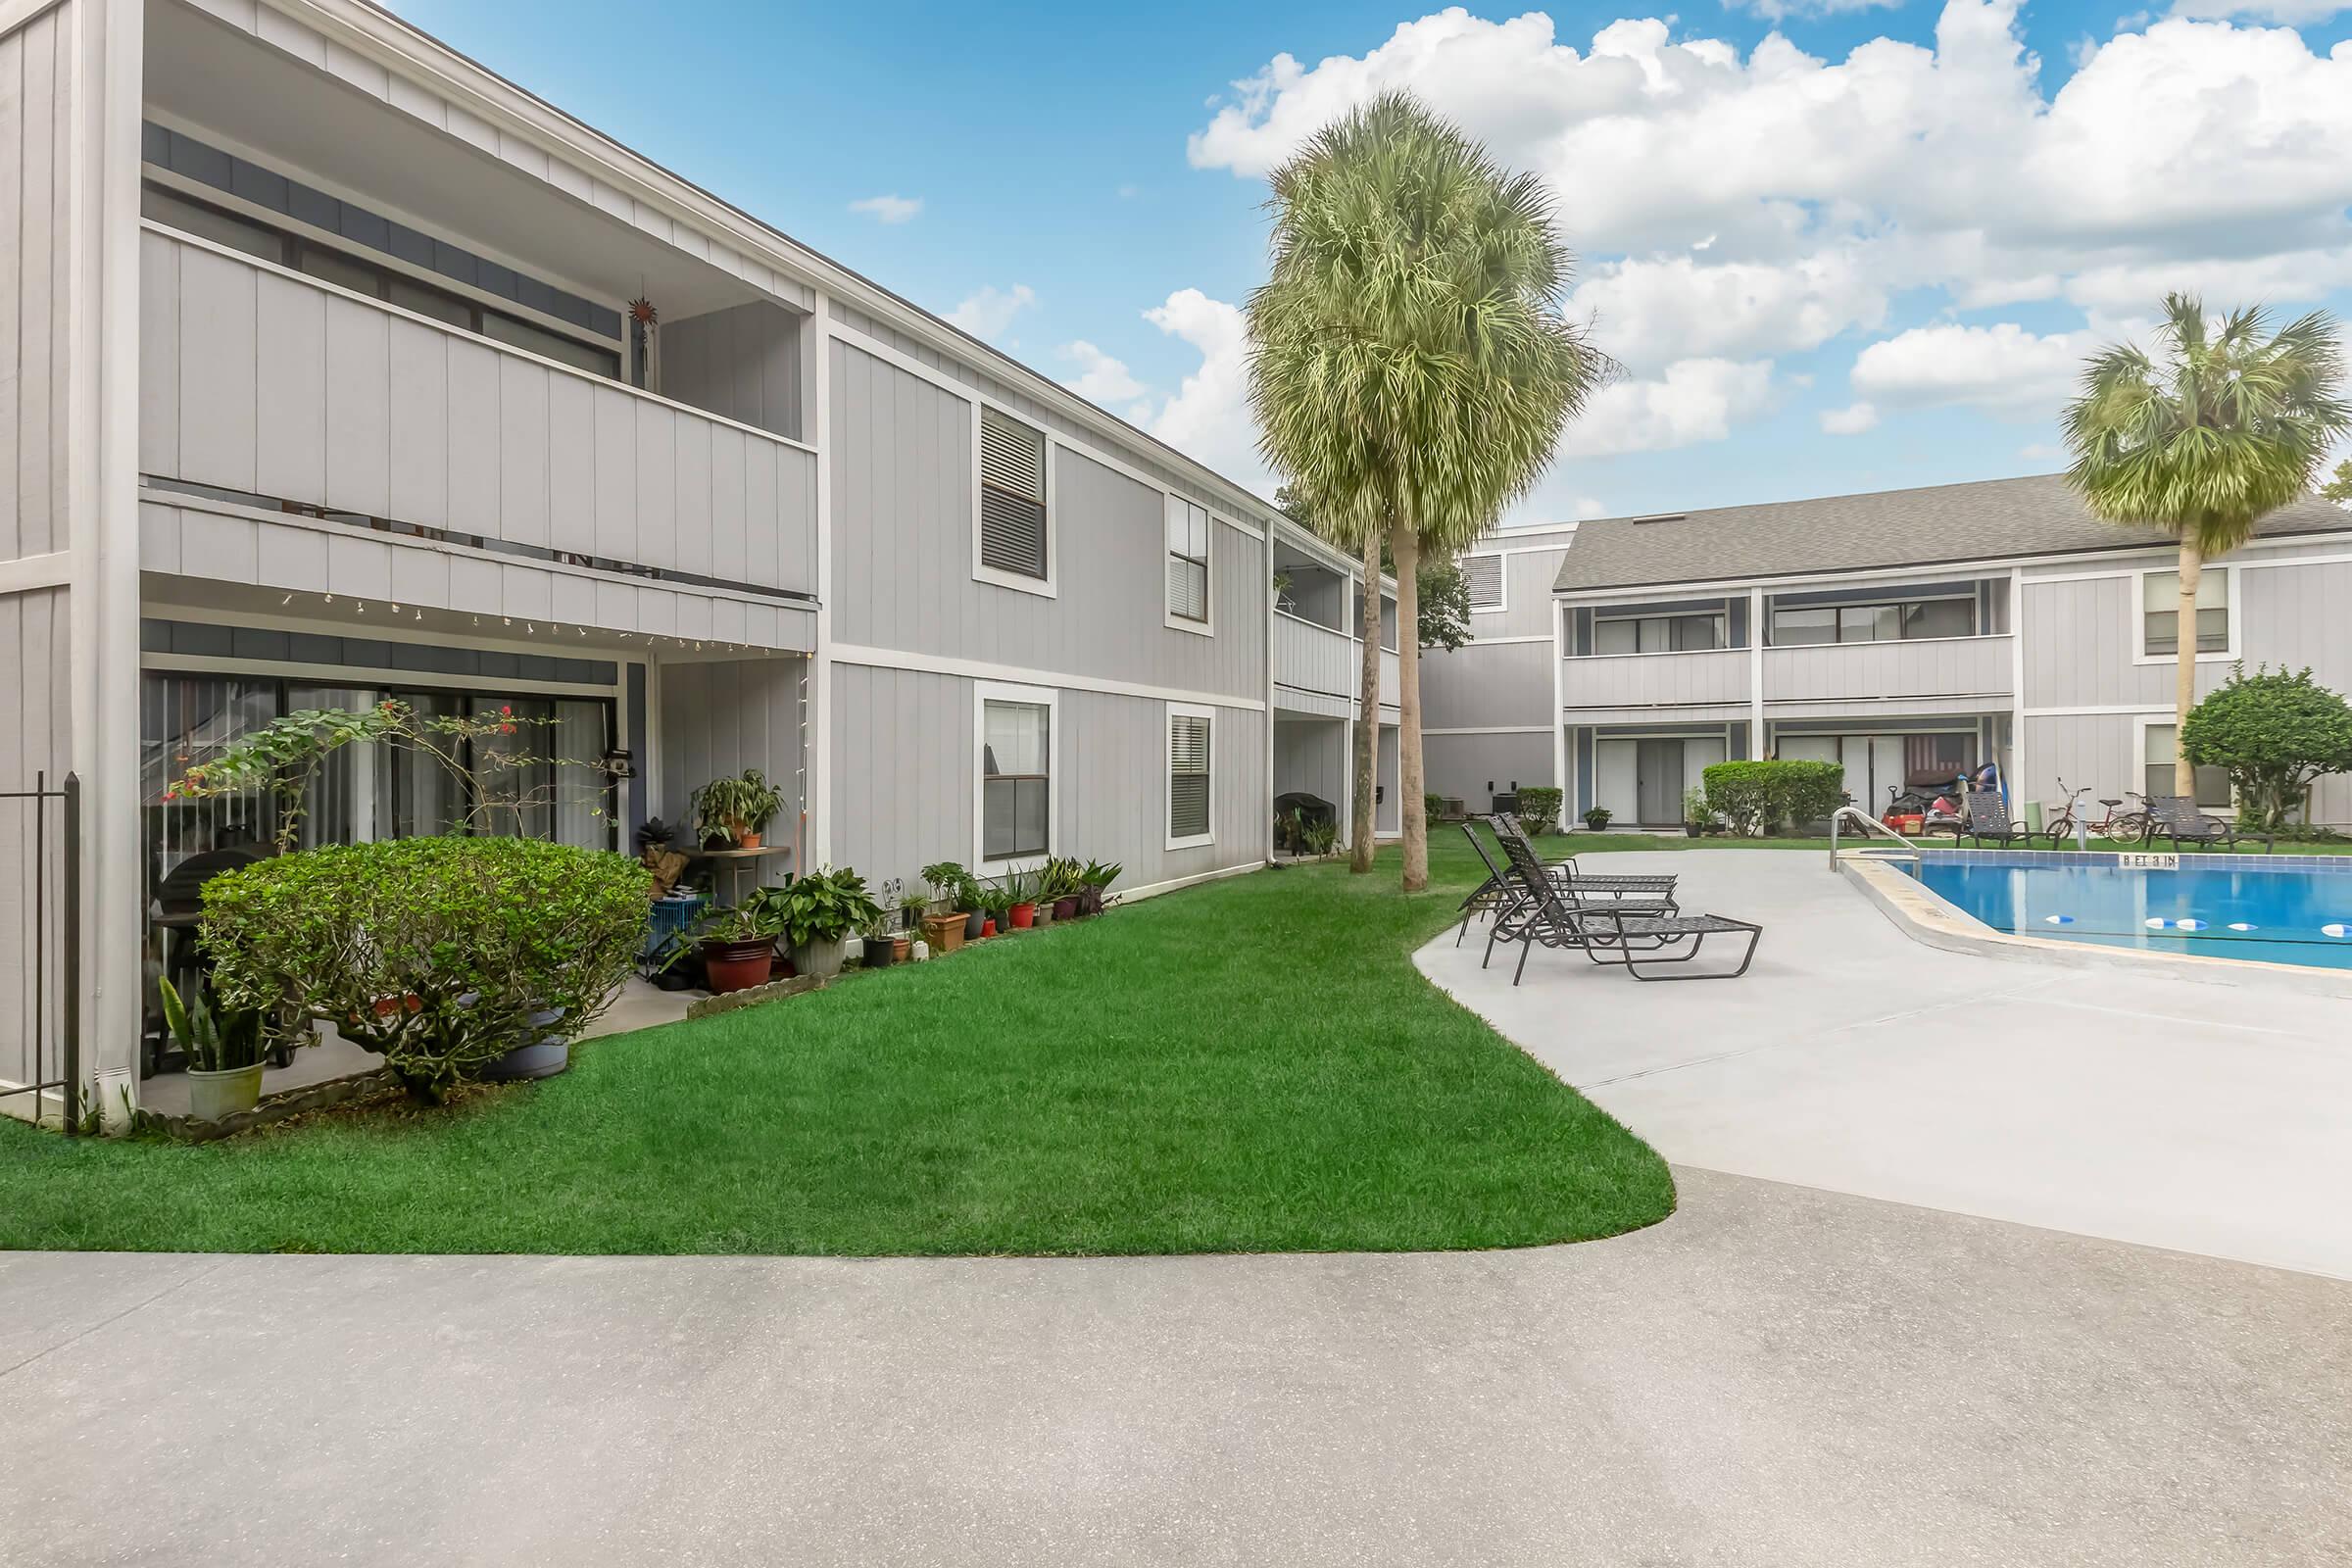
(1482, 576)
(1012, 496)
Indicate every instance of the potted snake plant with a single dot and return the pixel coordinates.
(225, 1049)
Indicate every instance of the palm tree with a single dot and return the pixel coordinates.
(1410, 369)
(2224, 424)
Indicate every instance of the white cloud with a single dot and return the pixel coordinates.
(1782, 10)
(888, 208)
(1589, 506)
(2003, 369)
(1851, 421)
(2287, 12)
(2042, 452)
(987, 313)
(1100, 379)
(1737, 206)
(1208, 416)
(1692, 400)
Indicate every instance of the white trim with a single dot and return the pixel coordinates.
(1045, 697)
(376, 675)
(1502, 581)
(2139, 619)
(1167, 774)
(183, 237)
(817, 714)
(1487, 729)
(2094, 710)
(850, 337)
(981, 670)
(1525, 550)
(1020, 583)
(1560, 778)
(27, 573)
(1153, 889)
(1477, 641)
(1206, 628)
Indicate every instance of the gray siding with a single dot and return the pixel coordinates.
(1527, 591)
(716, 720)
(742, 363)
(1463, 766)
(904, 771)
(1311, 756)
(258, 381)
(903, 547)
(1480, 687)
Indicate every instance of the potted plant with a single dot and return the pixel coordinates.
(1694, 812)
(1596, 818)
(911, 916)
(225, 1052)
(1098, 879)
(736, 810)
(816, 914)
(944, 926)
(1020, 900)
(738, 946)
(1063, 880)
(880, 951)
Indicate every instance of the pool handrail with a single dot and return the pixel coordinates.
(1870, 825)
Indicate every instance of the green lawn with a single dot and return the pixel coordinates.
(1252, 1065)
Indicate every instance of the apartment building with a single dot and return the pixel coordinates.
(334, 366)
(1906, 635)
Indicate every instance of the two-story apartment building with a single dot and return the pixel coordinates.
(334, 366)
(1906, 635)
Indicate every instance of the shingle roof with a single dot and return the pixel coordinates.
(1930, 526)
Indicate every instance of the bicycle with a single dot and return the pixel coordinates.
(2115, 827)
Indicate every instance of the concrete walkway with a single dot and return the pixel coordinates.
(2204, 1117)
(1776, 1377)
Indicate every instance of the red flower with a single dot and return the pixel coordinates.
(505, 709)
(506, 729)
(172, 794)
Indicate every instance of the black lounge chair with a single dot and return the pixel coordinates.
(1650, 887)
(1612, 931)
(1983, 814)
(1498, 894)
(2176, 817)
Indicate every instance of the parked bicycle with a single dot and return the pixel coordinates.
(2116, 825)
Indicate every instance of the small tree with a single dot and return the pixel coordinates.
(2274, 733)
(2339, 488)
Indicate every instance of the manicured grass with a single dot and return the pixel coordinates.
(1251, 1066)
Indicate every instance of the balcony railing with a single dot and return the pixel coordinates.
(1313, 658)
(1707, 676)
(266, 382)
(1935, 666)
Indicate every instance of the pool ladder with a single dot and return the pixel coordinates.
(1870, 825)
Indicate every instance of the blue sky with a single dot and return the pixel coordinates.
(1824, 270)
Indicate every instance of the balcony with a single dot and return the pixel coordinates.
(1940, 667)
(264, 382)
(1704, 679)
(1319, 664)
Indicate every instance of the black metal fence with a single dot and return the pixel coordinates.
(41, 950)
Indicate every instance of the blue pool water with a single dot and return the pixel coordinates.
(2280, 915)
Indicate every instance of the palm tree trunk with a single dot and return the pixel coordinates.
(1368, 710)
(1409, 774)
(2184, 667)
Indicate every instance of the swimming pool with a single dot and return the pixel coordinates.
(2219, 907)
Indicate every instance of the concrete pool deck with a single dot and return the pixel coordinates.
(2136, 1106)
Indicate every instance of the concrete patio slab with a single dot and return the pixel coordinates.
(1776, 1376)
(2203, 1117)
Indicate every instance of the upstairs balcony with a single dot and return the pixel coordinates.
(1916, 668)
(1712, 678)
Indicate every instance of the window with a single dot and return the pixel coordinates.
(1189, 736)
(1659, 634)
(1187, 562)
(1482, 576)
(2213, 783)
(1013, 498)
(1795, 627)
(2160, 612)
(1016, 773)
(1940, 618)
(1798, 625)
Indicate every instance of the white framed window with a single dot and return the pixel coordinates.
(1488, 583)
(2160, 615)
(2156, 766)
(1192, 782)
(1013, 503)
(1661, 634)
(1015, 739)
(1189, 530)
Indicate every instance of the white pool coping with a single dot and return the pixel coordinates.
(1928, 917)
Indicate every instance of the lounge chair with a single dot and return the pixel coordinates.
(1650, 887)
(1608, 931)
(2176, 817)
(1983, 814)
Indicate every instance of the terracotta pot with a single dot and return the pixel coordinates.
(988, 927)
(901, 947)
(748, 841)
(945, 932)
(738, 965)
(1067, 908)
(1024, 915)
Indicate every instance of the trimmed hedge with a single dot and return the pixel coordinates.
(1758, 798)
(1539, 807)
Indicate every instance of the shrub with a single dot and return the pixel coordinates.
(436, 953)
(1433, 806)
(1756, 798)
(2275, 733)
(1539, 808)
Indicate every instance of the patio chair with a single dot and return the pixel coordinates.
(2176, 817)
(1650, 887)
(1983, 814)
(1614, 931)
